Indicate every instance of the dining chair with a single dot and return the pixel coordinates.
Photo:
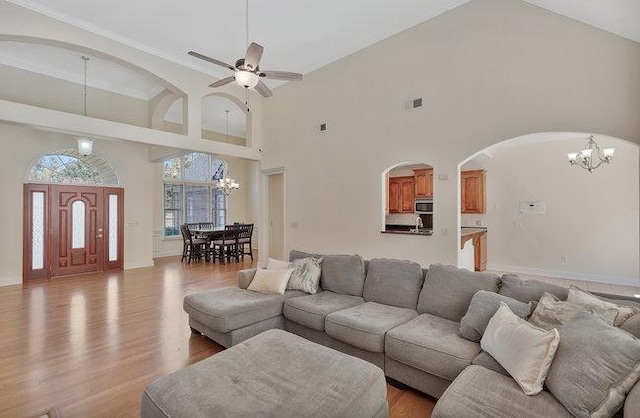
(226, 246)
(245, 232)
(192, 248)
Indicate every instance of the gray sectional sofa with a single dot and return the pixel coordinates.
(400, 317)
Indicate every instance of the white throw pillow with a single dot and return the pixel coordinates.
(275, 264)
(525, 351)
(270, 281)
(583, 298)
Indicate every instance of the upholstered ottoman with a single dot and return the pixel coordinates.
(274, 374)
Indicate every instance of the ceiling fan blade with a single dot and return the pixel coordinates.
(211, 60)
(281, 75)
(253, 56)
(222, 82)
(263, 89)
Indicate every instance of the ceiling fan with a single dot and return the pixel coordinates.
(248, 72)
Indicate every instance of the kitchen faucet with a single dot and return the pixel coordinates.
(419, 223)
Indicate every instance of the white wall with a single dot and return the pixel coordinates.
(21, 146)
(591, 218)
(487, 71)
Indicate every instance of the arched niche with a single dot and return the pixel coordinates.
(547, 218)
(225, 118)
(407, 191)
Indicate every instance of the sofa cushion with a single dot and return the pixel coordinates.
(230, 308)
(482, 393)
(340, 273)
(393, 282)
(431, 344)
(483, 306)
(365, 326)
(529, 290)
(595, 367)
(312, 310)
(485, 360)
(448, 290)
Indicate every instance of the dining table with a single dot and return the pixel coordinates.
(213, 234)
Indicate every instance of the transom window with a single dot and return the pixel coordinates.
(68, 166)
(190, 193)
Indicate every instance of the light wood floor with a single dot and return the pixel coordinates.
(90, 344)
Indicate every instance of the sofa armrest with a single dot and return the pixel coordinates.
(245, 277)
(632, 403)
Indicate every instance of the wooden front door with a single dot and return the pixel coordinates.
(72, 230)
(77, 230)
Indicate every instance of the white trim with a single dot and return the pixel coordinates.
(46, 11)
(160, 254)
(625, 281)
(139, 265)
(78, 78)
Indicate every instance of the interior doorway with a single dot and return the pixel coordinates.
(70, 229)
(276, 216)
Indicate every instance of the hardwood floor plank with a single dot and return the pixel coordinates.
(90, 344)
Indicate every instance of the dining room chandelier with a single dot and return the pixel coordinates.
(591, 157)
(227, 185)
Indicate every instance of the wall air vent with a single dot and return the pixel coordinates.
(322, 127)
(413, 103)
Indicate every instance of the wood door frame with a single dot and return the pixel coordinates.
(46, 272)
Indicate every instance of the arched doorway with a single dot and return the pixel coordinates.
(73, 221)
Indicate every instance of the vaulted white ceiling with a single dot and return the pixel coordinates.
(300, 35)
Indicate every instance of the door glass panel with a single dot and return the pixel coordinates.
(37, 238)
(113, 227)
(77, 224)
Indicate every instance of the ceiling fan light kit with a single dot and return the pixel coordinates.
(247, 79)
(247, 69)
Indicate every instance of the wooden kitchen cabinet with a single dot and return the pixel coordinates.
(401, 194)
(423, 181)
(473, 191)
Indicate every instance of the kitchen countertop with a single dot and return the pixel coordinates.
(470, 231)
(426, 232)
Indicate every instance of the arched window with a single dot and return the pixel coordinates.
(68, 166)
(190, 193)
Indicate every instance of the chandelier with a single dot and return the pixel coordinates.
(591, 157)
(227, 185)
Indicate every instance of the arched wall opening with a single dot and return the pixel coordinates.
(407, 198)
(547, 218)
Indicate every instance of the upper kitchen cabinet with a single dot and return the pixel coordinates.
(423, 181)
(473, 191)
(401, 194)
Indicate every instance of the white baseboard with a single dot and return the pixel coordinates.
(140, 264)
(159, 254)
(626, 281)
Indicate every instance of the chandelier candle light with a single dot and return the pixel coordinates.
(591, 157)
(227, 185)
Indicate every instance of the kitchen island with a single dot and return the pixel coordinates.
(478, 236)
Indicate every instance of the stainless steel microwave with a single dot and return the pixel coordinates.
(423, 206)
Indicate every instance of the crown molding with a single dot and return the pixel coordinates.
(78, 79)
(48, 12)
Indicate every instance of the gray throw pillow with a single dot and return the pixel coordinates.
(306, 274)
(595, 367)
(482, 307)
(552, 312)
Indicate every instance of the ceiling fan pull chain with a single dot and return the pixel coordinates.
(246, 37)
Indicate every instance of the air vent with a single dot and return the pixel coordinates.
(322, 128)
(413, 103)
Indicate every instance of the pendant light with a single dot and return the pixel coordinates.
(85, 144)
